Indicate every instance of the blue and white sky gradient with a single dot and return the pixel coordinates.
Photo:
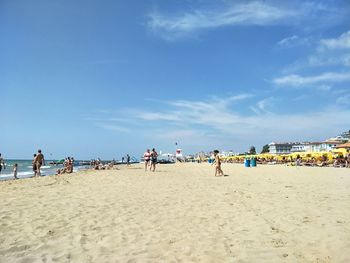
(106, 78)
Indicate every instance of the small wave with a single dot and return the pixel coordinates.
(25, 173)
(6, 175)
(42, 167)
(19, 174)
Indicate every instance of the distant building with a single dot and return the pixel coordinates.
(299, 147)
(346, 135)
(343, 137)
(310, 146)
(345, 145)
(314, 147)
(227, 153)
(280, 148)
(328, 145)
(331, 145)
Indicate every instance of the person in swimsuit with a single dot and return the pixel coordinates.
(127, 159)
(39, 160)
(147, 158)
(217, 163)
(34, 165)
(154, 156)
(15, 167)
(2, 163)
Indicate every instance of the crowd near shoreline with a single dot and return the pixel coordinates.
(150, 160)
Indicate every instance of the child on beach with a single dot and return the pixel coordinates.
(217, 163)
(15, 166)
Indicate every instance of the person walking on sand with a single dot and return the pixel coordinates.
(34, 165)
(154, 156)
(39, 160)
(147, 158)
(127, 159)
(217, 163)
(2, 163)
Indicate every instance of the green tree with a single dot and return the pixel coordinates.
(265, 149)
(252, 150)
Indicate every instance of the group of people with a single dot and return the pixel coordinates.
(98, 164)
(150, 158)
(126, 159)
(38, 161)
(67, 166)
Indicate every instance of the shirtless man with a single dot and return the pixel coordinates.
(2, 163)
(39, 160)
(217, 163)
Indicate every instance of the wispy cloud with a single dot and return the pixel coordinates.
(263, 106)
(323, 60)
(295, 80)
(327, 52)
(214, 122)
(294, 41)
(256, 13)
(341, 42)
(253, 13)
(344, 100)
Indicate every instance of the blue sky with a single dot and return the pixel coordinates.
(106, 78)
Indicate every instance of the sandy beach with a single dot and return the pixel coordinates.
(180, 213)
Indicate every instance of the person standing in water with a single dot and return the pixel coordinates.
(2, 163)
(217, 163)
(39, 160)
(15, 167)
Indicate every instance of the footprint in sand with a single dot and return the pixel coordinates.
(278, 243)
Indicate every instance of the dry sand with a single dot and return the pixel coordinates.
(181, 213)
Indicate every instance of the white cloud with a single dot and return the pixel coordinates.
(252, 13)
(157, 116)
(203, 124)
(263, 106)
(293, 41)
(344, 100)
(330, 52)
(295, 80)
(322, 60)
(243, 13)
(342, 42)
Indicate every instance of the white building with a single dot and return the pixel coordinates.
(315, 146)
(280, 148)
(330, 145)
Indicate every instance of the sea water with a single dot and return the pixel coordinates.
(25, 169)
